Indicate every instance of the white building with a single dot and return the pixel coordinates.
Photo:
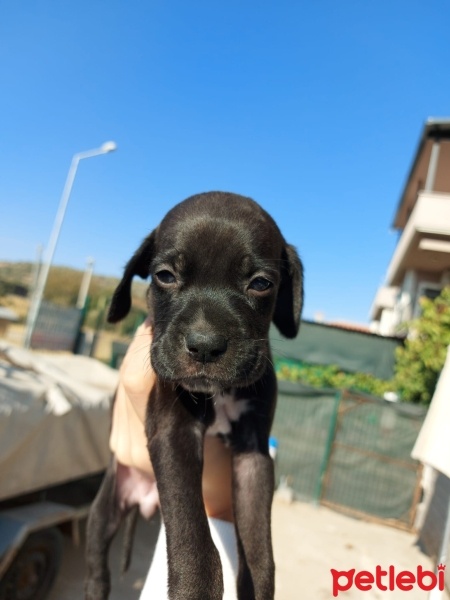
(420, 265)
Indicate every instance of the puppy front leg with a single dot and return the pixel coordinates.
(176, 450)
(253, 485)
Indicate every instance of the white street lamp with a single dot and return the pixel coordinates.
(43, 275)
(85, 283)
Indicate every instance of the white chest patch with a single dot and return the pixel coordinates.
(227, 410)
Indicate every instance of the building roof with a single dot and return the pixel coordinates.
(434, 129)
(359, 327)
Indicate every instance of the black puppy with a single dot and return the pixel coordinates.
(220, 273)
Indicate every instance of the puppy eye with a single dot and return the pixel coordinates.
(165, 277)
(260, 284)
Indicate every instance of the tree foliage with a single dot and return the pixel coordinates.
(420, 361)
(417, 367)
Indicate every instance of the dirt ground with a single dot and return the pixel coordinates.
(308, 542)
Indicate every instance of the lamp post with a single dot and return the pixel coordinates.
(43, 275)
(85, 283)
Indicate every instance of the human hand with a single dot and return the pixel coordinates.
(128, 440)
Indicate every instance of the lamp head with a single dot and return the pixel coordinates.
(108, 147)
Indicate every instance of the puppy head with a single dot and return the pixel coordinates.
(221, 272)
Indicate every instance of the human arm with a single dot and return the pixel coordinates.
(128, 440)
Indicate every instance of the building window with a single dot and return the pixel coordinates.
(426, 290)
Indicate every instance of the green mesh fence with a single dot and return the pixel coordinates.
(303, 426)
(349, 450)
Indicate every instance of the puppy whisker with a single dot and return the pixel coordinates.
(194, 397)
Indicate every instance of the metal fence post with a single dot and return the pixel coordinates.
(328, 448)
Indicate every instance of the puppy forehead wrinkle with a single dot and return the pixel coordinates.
(228, 224)
(169, 255)
(220, 257)
(215, 212)
(214, 233)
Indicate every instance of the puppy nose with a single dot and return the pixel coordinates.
(206, 347)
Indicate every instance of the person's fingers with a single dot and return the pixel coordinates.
(119, 439)
(128, 440)
(136, 371)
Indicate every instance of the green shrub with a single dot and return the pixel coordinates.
(420, 361)
(332, 376)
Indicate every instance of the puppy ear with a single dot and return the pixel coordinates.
(289, 302)
(139, 264)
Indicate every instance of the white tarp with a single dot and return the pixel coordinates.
(433, 443)
(54, 418)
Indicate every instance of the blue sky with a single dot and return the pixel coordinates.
(314, 109)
